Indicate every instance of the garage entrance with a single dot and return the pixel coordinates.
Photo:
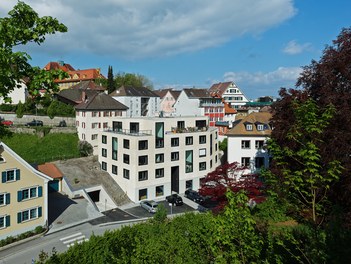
(94, 196)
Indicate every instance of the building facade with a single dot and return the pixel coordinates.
(230, 93)
(23, 195)
(167, 99)
(247, 139)
(150, 158)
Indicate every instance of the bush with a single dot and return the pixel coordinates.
(85, 148)
(8, 108)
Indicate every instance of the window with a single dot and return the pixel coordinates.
(216, 147)
(126, 174)
(94, 114)
(4, 221)
(105, 125)
(10, 175)
(174, 156)
(143, 160)
(181, 124)
(114, 148)
(143, 175)
(4, 198)
(159, 158)
(188, 140)
(142, 144)
(259, 144)
(202, 166)
(83, 124)
(104, 152)
(159, 173)
(249, 127)
(126, 158)
(202, 152)
(142, 194)
(259, 127)
(126, 143)
(29, 193)
(134, 127)
(94, 136)
(159, 191)
(114, 169)
(245, 161)
(189, 161)
(259, 162)
(189, 184)
(174, 142)
(159, 139)
(95, 125)
(202, 139)
(104, 166)
(210, 164)
(29, 214)
(245, 144)
(104, 139)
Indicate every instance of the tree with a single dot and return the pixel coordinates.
(20, 110)
(23, 25)
(230, 176)
(110, 81)
(131, 79)
(85, 148)
(298, 171)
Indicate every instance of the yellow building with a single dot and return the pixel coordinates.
(23, 195)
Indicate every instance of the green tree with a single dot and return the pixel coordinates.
(52, 109)
(110, 81)
(20, 109)
(85, 148)
(298, 172)
(22, 26)
(131, 79)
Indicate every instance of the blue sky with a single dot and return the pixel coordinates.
(259, 44)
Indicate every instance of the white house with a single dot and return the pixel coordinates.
(96, 113)
(140, 101)
(168, 98)
(230, 93)
(19, 94)
(246, 141)
(150, 158)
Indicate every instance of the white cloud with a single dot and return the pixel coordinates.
(150, 28)
(293, 47)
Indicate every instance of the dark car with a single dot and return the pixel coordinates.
(35, 123)
(194, 196)
(62, 123)
(174, 199)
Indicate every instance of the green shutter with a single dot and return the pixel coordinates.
(40, 191)
(7, 221)
(39, 211)
(3, 176)
(19, 217)
(18, 173)
(19, 196)
(7, 198)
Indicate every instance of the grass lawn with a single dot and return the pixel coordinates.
(34, 149)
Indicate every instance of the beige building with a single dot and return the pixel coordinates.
(23, 195)
(150, 158)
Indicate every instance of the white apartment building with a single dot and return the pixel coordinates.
(140, 101)
(246, 141)
(96, 113)
(150, 158)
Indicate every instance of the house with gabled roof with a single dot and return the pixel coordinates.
(96, 113)
(230, 93)
(141, 101)
(199, 102)
(247, 140)
(167, 99)
(23, 195)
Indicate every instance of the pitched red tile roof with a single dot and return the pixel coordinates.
(58, 65)
(51, 170)
(219, 88)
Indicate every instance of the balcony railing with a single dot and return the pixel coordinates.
(189, 129)
(130, 132)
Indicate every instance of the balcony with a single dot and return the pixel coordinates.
(177, 130)
(130, 132)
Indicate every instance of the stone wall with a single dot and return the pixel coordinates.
(70, 121)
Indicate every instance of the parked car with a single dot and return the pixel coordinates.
(174, 199)
(35, 123)
(150, 206)
(7, 122)
(62, 123)
(194, 196)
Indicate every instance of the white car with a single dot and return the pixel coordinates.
(150, 206)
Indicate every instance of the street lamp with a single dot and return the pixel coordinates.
(171, 205)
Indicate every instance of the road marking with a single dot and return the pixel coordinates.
(73, 239)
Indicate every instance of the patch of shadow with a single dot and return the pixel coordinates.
(58, 203)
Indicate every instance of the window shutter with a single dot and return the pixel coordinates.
(40, 191)
(7, 198)
(3, 176)
(19, 196)
(39, 211)
(7, 221)
(18, 173)
(19, 217)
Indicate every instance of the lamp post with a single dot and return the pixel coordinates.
(171, 205)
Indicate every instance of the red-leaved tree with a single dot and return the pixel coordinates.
(232, 176)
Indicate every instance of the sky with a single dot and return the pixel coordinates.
(260, 45)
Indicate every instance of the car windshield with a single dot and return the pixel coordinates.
(154, 205)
